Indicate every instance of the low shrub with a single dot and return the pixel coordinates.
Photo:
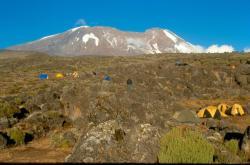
(185, 146)
(57, 140)
(17, 101)
(6, 110)
(232, 146)
(17, 135)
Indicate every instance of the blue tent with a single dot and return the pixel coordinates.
(177, 62)
(43, 76)
(180, 63)
(107, 78)
(129, 84)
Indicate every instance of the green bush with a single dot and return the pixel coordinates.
(185, 146)
(17, 135)
(17, 101)
(6, 110)
(232, 146)
(57, 140)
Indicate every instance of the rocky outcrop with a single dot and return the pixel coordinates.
(245, 144)
(242, 76)
(186, 116)
(110, 142)
(3, 141)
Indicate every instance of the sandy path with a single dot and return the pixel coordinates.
(36, 151)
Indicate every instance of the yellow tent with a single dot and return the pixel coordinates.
(75, 75)
(207, 112)
(210, 112)
(223, 108)
(59, 75)
(236, 110)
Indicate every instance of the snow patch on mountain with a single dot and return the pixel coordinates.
(111, 40)
(171, 36)
(75, 29)
(183, 48)
(129, 47)
(50, 36)
(155, 45)
(135, 42)
(86, 38)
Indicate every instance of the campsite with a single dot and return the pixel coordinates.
(120, 108)
(134, 81)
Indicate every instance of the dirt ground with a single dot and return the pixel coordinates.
(36, 151)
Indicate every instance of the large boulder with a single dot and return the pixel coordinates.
(144, 143)
(186, 116)
(111, 142)
(75, 101)
(213, 136)
(103, 108)
(245, 143)
(242, 75)
(247, 108)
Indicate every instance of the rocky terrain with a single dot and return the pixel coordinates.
(89, 119)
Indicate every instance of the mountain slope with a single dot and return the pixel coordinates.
(99, 40)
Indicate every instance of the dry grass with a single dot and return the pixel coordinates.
(37, 151)
(155, 89)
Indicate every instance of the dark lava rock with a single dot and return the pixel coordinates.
(245, 143)
(3, 141)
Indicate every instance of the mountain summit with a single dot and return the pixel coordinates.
(99, 40)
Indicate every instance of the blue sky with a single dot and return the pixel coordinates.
(203, 22)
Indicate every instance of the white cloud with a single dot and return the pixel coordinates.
(219, 49)
(199, 49)
(213, 49)
(247, 50)
(81, 22)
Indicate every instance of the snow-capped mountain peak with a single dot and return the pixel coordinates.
(98, 40)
